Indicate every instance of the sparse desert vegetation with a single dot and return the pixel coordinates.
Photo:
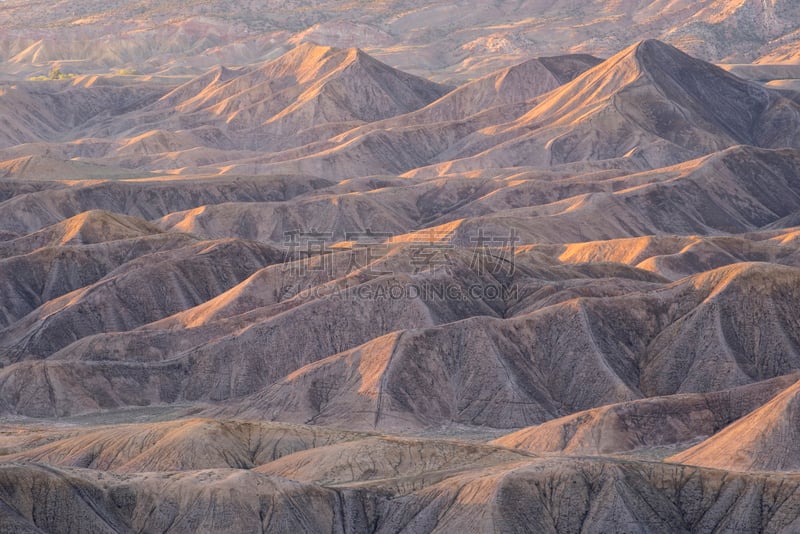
(54, 74)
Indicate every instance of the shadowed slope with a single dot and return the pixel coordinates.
(511, 85)
(382, 458)
(138, 292)
(38, 498)
(738, 190)
(765, 440)
(89, 227)
(650, 102)
(308, 92)
(33, 210)
(31, 280)
(574, 495)
(639, 425)
(629, 338)
(33, 112)
(547, 495)
(182, 445)
(563, 358)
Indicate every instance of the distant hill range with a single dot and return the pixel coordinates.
(451, 41)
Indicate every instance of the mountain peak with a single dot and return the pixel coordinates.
(654, 54)
(309, 52)
(657, 88)
(766, 439)
(653, 46)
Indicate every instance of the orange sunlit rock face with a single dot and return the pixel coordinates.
(399, 266)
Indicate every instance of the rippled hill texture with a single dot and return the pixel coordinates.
(276, 283)
(443, 39)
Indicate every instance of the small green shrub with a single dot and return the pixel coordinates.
(55, 74)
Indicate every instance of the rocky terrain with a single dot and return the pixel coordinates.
(375, 267)
(452, 40)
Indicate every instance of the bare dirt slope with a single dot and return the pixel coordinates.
(308, 291)
(451, 39)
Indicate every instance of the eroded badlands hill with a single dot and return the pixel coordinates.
(318, 293)
(450, 39)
